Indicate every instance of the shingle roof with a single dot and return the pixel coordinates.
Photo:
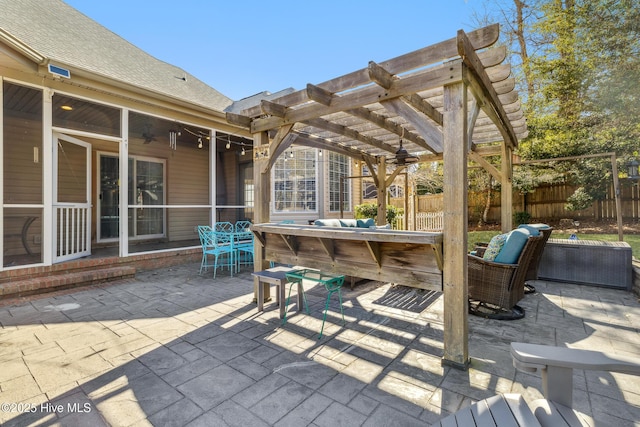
(254, 100)
(59, 32)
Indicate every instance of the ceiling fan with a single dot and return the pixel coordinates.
(403, 157)
(147, 135)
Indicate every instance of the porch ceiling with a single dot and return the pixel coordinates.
(368, 113)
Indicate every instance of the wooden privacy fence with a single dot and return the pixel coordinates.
(546, 202)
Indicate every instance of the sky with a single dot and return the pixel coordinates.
(243, 47)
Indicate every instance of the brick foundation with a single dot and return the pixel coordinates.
(88, 271)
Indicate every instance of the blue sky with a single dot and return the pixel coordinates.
(243, 47)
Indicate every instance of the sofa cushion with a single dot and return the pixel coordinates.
(380, 227)
(328, 222)
(513, 245)
(494, 247)
(534, 228)
(335, 222)
(366, 223)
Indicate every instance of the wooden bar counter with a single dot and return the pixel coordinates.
(409, 258)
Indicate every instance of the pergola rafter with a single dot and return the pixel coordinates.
(442, 102)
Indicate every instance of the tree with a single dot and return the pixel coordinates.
(580, 60)
(427, 178)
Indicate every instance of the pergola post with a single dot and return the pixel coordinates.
(506, 193)
(261, 214)
(455, 286)
(382, 191)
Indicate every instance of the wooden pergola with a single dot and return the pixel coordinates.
(452, 101)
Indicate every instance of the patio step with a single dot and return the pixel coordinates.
(60, 281)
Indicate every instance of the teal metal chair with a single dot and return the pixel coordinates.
(332, 283)
(223, 227)
(243, 243)
(203, 230)
(220, 246)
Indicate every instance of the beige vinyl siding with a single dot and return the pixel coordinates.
(187, 184)
(22, 176)
(228, 188)
(22, 181)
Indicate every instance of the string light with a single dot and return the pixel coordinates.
(199, 142)
(242, 153)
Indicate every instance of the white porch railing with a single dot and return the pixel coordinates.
(430, 221)
(73, 232)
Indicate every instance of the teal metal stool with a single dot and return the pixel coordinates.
(332, 283)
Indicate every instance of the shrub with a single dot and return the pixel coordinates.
(370, 210)
(579, 200)
(521, 217)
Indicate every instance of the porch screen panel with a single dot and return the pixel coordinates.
(73, 113)
(168, 183)
(22, 236)
(22, 176)
(22, 155)
(234, 178)
(72, 172)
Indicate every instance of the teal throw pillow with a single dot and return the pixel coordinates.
(495, 246)
(516, 239)
(366, 223)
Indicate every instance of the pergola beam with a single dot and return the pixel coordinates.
(481, 38)
(279, 145)
(481, 85)
(350, 133)
(387, 125)
(419, 122)
(417, 82)
(323, 144)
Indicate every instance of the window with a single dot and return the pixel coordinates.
(339, 168)
(369, 190)
(396, 191)
(294, 181)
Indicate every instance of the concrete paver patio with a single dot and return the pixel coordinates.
(171, 347)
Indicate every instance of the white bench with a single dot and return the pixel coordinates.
(556, 365)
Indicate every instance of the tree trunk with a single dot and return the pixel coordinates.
(487, 202)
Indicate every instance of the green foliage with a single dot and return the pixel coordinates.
(521, 218)
(366, 210)
(580, 60)
(370, 210)
(580, 199)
